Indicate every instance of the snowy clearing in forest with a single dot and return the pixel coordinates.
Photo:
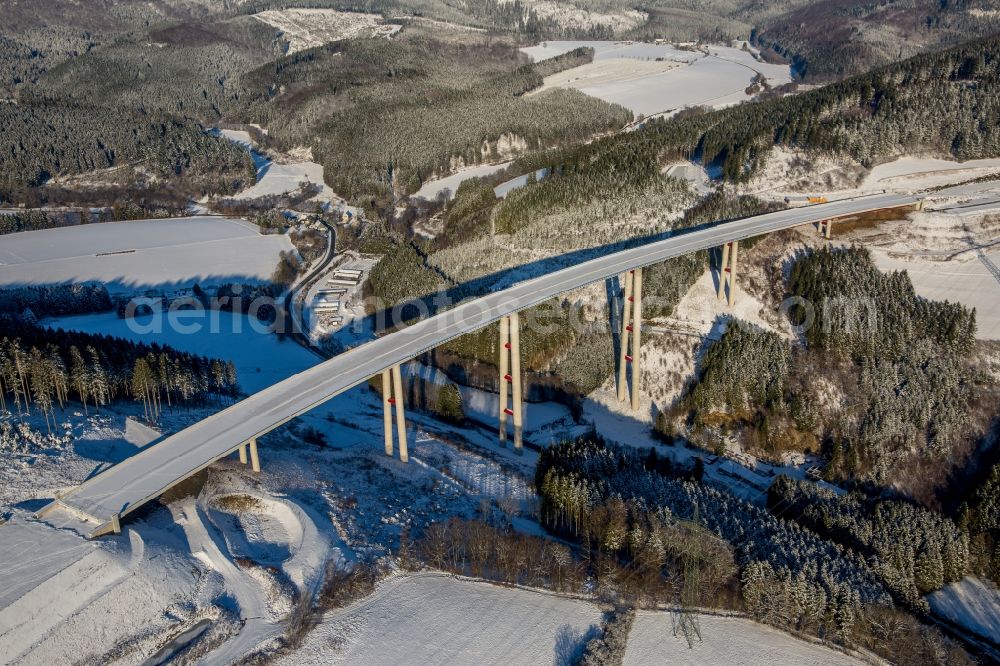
(655, 79)
(435, 618)
(974, 282)
(953, 256)
(276, 179)
(174, 253)
(577, 19)
(971, 603)
(309, 28)
(433, 188)
(261, 357)
(724, 640)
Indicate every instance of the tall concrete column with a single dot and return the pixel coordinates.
(254, 458)
(624, 338)
(505, 376)
(387, 410)
(515, 373)
(826, 228)
(724, 270)
(734, 254)
(630, 338)
(116, 524)
(510, 376)
(636, 326)
(397, 389)
(243, 454)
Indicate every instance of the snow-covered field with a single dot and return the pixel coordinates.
(508, 186)
(237, 549)
(724, 640)
(972, 603)
(648, 79)
(261, 358)
(438, 619)
(126, 256)
(432, 188)
(655, 79)
(308, 28)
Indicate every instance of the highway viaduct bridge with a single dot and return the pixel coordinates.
(106, 498)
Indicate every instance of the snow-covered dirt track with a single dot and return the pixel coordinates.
(145, 476)
(126, 255)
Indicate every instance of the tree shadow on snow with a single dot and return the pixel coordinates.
(571, 642)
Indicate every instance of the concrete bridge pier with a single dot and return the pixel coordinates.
(631, 343)
(251, 449)
(254, 457)
(727, 271)
(510, 377)
(626, 324)
(636, 326)
(826, 228)
(392, 396)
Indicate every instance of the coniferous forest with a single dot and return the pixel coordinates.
(826, 569)
(43, 369)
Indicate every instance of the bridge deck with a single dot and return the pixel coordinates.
(145, 476)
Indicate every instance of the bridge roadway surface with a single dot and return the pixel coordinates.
(146, 475)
